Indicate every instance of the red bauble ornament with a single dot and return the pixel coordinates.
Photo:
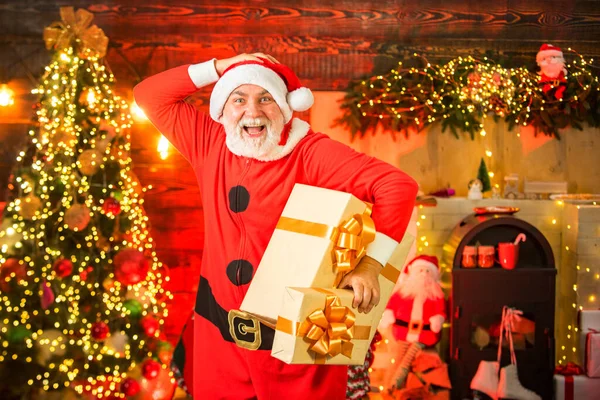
(111, 206)
(131, 266)
(130, 387)
(9, 267)
(151, 369)
(100, 330)
(63, 268)
(149, 325)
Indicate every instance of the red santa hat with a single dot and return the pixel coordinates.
(424, 260)
(278, 79)
(547, 50)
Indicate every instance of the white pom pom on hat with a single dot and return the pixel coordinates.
(279, 80)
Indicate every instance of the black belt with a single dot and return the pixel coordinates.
(235, 326)
(399, 322)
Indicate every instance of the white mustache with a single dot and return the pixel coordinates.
(251, 122)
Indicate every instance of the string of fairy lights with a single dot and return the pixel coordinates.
(81, 131)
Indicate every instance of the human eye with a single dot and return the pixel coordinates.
(266, 99)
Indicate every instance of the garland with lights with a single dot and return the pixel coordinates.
(463, 92)
(81, 289)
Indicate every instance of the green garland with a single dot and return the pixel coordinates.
(463, 92)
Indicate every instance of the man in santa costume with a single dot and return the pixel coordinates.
(416, 313)
(248, 154)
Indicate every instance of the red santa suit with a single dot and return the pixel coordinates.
(242, 201)
(413, 310)
(412, 318)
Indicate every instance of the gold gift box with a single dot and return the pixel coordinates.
(303, 309)
(300, 252)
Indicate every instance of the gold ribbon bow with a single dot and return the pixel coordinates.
(350, 241)
(330, 330)
(75, 27)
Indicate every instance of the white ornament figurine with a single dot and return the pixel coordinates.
(475, 187)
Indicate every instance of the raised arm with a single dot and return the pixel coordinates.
(162, 97)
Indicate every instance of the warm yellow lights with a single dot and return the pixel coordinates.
(71, 216)
(7, 96)
(138, 113)
(163, 147)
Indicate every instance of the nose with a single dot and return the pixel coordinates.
(253, 109)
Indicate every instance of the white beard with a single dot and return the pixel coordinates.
(424, 286)
(260, 148)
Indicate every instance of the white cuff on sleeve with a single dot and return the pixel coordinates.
(381, 248)
(204, 73)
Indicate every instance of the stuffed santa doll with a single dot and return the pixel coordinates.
(416, 313)
(552, 70)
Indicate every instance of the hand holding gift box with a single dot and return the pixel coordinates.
(322, 235)
(294, 345)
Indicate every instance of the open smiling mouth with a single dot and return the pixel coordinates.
(254, 130)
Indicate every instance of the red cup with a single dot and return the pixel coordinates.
(508, 254)
(486, 256)
(469, 257)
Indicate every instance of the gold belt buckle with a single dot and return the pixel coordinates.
(415, 326)
(237, 325)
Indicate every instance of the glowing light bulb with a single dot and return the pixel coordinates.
(163, 147)
(7, 96)
(137, 111)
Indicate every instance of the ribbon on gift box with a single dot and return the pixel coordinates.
(588, 350)
(330, 330)
(75, 27)
(350, 238)
(568, 371)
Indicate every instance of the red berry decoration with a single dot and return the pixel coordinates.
(130, 387)
(100, 330)
(149, 325)
(83, 275)
(63, 267)
(111, 206)
(131, 266)
(151, 369)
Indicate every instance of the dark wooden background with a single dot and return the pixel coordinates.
(327, 42)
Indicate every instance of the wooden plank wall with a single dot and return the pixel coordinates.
(327, 42)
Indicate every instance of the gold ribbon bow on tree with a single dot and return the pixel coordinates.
(330, 330)
(350, 241)
(75, 31)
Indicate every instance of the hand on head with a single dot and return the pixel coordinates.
(222, 65)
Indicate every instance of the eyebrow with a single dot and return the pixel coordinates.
(244, 94)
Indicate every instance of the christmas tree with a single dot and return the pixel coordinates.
(81, 293)
(484, 177)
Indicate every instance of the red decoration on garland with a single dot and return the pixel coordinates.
(100, 330)
(63, 267)
(111, 206)
(83, 275)
(149, 325)
(9, 267)
(151, 369)
(130, 387)
(131, 266)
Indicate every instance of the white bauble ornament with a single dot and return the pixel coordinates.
(50, 343)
